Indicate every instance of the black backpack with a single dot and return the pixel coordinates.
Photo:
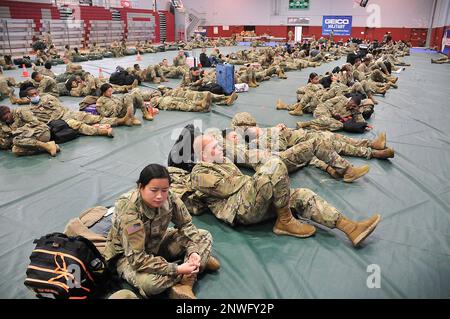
(184, 143)
(63, 267)
(61, 132)
(121, 77)
(26, 60)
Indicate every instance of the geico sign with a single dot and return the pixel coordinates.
(337, 21)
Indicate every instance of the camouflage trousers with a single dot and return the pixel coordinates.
(174, 72)
(5, 137)
(152, 72)
(25, 139)
(269, 190)
(134, 98)
(82, 122)
(172, 248)
(171, 103)
(5, 90)
(343, 145)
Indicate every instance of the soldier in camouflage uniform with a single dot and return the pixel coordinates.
(47, 108)
(6, 85)
(24, 132)
(172, 72)
(194, 80)
(44, 84)
(142, 247)
(180, 59)
(6, 62)
(181, 100)
(297, 148)
(236, 198)
(46, 70)
(111, 106)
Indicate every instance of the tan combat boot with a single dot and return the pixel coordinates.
(212, 264)
(102, 131)
(156, 80)
(233, 97)
(50, 147)
(357, 231)
(146, 115)
(205, 104)
(379, 143)
(303, 124)
(286, 224)
(297, 111)
(383, 154)
(128, 118)
(281, 105)
(371, 97)
(252, 84)
(164, 79)
(282, 75)
(353, 173)
(135, 122)
(183, 290)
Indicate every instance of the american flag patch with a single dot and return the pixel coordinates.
(131, 229)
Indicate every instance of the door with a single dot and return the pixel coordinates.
(298, 33)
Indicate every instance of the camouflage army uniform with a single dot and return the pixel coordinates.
(173, 72)
(236, 198)
(44, 71)
(180, 184)
(25, 131)
(5, 65)
(71, 69)
(117, 106)
(198, 96)
(50, 108)
(142, 247)
(175, 103)
(179, 60)
(5, 89)
(5, 137)
(46, 85)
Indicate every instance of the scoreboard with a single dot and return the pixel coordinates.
(298, 4)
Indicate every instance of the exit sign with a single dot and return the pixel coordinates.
(298, 4)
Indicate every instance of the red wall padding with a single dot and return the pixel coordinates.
(416, 36)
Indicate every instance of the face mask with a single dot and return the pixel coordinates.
(35, 99)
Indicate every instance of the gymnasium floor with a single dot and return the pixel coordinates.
(411, 245)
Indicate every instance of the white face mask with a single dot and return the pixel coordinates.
(35, 99)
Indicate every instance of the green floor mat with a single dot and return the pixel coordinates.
(411, 245)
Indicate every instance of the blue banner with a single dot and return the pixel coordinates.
(341, 25)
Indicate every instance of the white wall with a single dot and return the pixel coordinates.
(393, 13)
(442, 15)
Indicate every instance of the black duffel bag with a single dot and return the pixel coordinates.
(26, 60)
(121, 77)
(63, 267)
(61, 132)
(213, 88)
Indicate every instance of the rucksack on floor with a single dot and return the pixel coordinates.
(63, 267)
(61, 132)
(185, 143)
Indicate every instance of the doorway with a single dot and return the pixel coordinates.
(298, 33)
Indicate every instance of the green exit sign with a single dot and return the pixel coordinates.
(298, 4)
